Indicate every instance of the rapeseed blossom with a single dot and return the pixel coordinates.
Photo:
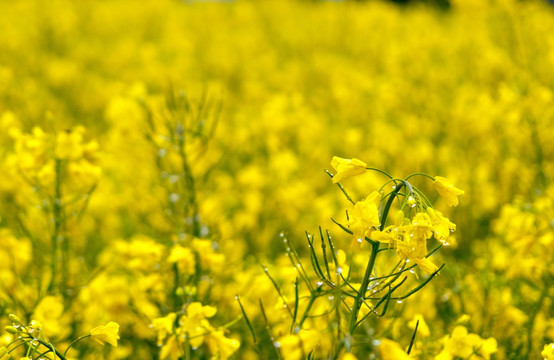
(346, 168)
(106, 334)
(448, 191)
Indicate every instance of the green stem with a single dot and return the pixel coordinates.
(363, 287)
(371, 263)
(381, 171)
(74, 341)
(313, 297)
(420, 174)
(388, 205)
(49, 346)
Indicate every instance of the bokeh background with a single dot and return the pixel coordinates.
(461, 89)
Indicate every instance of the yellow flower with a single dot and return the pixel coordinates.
(69, 143)
(391, 350)
(365, 216)
(164, 326)
(442, 227)
(346, 168)
(548, 352)
(448, 191)
(184, 258)
(221, 346)
(106, 334)
(463, 344)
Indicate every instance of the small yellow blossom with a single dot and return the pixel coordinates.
(184, 258)
(463, 344)
(442, 227)
(365, 216)
(106, 334)
(69, 143)
(222, 346)
(391, 350)
(448, 191)
(164, 326)
(548, 352)
(346, 168)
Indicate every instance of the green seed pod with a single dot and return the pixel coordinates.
(11, 329)
(14, 318)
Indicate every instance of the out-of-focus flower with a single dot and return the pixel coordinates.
(548, 352)
(391, 350)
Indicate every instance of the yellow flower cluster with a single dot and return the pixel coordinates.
(193, 329)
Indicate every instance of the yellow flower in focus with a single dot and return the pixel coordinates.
(448, 191)
(548, 352)
(346, 168)
(391, 350)
(106, 334)
(365, 216)
(442, 227)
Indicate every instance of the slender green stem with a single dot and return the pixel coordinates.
(391, 180)
(388, 205)
(413, 338)
(313, 297)
(49, 346)
(247, 320)
(18, 345)
(75, 341)
(420, 174)
(363, 287)
(371, 263)
(381, 171)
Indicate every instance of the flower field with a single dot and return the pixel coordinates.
(276, 180)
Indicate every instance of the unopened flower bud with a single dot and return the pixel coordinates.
(14, 318)
(11, 329)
